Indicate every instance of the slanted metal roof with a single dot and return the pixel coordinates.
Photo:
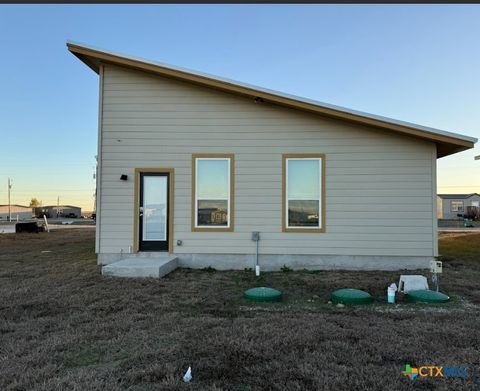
(58, 206)
(448, 143)
(457, 196)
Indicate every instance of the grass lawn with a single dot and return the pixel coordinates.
(65, 327)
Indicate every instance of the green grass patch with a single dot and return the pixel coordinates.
(459, 245)
(286, 269)
(88, 357)
(209, 269)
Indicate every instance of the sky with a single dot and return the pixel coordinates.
(303, 179)
(417, 63)
(212, 178)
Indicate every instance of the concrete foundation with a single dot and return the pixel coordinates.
(273, 262)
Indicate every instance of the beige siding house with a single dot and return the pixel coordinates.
(205, 162)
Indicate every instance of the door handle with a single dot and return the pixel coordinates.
(140, 214)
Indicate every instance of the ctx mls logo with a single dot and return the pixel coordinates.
(412, 373)
(435, 371)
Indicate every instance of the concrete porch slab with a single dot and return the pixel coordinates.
(155, 267)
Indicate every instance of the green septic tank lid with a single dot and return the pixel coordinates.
(263, 294)
(351, 296)
(426, 296)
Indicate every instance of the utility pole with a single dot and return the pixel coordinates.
(95, 168)
(58, 205)
(9, 203)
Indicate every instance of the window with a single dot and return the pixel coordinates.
(456, 206)
(212, 192)
(303, 193)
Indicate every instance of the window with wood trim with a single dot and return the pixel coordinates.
(303, 193)
(456, 206)
(212, 192)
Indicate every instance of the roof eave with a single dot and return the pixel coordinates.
(447, 143)
(446, 149)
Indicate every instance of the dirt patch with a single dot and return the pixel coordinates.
(455, 234)
(64, 326)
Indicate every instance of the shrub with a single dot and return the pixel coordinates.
(286, 269)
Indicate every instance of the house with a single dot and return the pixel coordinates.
(18, 212)
(54, 211)
(213, 160)
(458, 206)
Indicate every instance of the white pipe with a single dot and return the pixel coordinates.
(257, 266)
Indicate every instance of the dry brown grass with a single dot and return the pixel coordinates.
(65, 327)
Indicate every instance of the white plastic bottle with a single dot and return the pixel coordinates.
(391, 293)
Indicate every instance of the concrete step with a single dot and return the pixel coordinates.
(155, 267)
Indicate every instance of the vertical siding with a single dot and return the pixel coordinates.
(379, 185)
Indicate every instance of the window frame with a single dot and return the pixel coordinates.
(457, 202)
(230, 157)
(322, 197)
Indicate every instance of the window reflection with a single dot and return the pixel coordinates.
(213, 212)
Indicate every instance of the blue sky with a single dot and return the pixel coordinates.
(303, 179)
(417, 63)
(212, 179)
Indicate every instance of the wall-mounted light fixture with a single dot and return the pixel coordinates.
(123, 177)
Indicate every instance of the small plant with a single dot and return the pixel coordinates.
(260, 278)
(285, 269)
(248, 270)
(209, 269)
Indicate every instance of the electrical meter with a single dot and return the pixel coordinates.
(436, 267)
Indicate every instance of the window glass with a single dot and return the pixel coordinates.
(155, 208)
(303, 193)
(212, 192)
(212, 178)
(304, 179)
(212, 212)
(303, 213)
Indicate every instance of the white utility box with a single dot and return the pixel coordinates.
(409, 283)
(436, 267)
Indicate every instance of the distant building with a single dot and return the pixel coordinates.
(18, 212)
(212, 216)
(219, 217)
(458, 206)
(53, 211)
